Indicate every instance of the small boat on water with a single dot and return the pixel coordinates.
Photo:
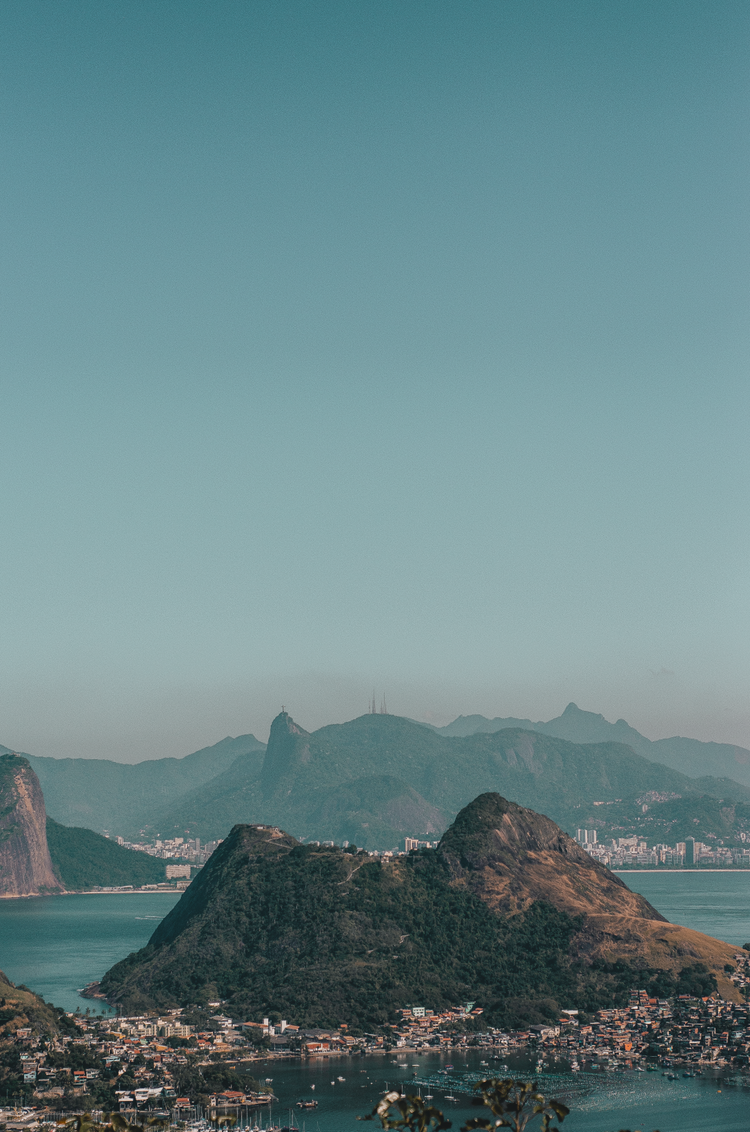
(307, 1104)
(341, 1078)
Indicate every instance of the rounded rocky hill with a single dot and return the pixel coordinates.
(508, 911)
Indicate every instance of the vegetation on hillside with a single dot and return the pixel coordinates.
(84, 859)
(21, 1008)
(322, 937)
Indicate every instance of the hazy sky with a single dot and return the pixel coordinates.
(352, 345)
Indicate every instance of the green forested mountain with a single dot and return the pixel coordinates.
(690, 756)
(123, 798)
(508, 912)
(380, 777)
(84, 859)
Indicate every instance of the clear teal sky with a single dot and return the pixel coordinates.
(352, 345)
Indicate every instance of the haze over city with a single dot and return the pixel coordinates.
(379, 346)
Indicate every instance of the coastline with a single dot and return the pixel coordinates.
(119, 891)
(91, 892)
(656, 869)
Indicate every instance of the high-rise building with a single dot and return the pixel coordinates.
(689, 850)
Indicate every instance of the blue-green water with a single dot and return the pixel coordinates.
(717, 903)
(623, 1100)
(55, 945)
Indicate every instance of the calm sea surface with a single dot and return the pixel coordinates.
(643, 1101)
(57, 944)
(717, 903)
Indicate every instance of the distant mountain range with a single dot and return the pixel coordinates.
(691, 756)
(508, 912)
(379, 778)
(123, 798)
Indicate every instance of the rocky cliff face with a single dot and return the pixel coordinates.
(25, 864)
(288, 748)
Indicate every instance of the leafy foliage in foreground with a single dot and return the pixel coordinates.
(513, 1104)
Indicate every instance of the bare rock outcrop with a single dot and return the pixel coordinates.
(25, 864)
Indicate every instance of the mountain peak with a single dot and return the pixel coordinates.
(509, 877)
(573, 711)
(288, 746)
(516, 856)
(493, 829)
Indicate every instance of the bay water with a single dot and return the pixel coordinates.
(57, 944)
(715, 902)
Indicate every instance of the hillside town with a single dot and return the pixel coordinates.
(183, 1064)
